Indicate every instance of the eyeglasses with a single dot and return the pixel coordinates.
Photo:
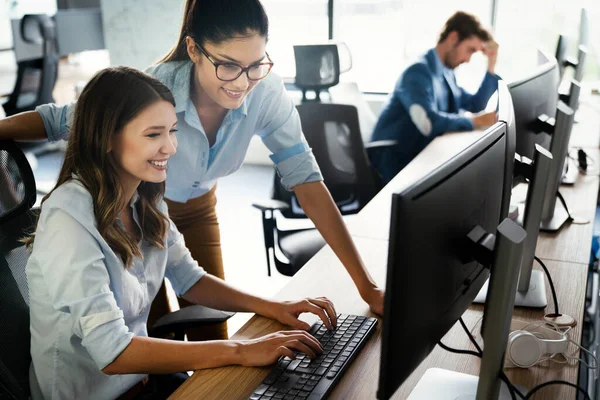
(228, 71)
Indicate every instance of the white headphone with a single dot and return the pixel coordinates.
(539, 342)
(526, 348)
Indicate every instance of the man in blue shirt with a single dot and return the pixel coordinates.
(426, 100)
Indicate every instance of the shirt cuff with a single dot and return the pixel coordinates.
(107, 341)
(299, 169)
(183, 281)
(54, 116)
(289, 152)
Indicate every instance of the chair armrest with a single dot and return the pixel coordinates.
(381, 143)
(372, 147)
(188, 317)
(266, 205)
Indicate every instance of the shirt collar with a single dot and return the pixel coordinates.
(182, 88)
(134, 199)
(438, 65)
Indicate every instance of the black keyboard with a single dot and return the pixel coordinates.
(304, 378)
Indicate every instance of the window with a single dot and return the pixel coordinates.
(294, 22)
(384, 36)
(524, 26)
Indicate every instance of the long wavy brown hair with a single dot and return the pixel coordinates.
(112, 98)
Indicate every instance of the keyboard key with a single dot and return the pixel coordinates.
(261, 389)
(293, 365)
(304, 378)
(272, 377)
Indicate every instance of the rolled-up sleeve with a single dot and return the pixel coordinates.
(282, 133)
(57, 120)
(182, 270)
(79, 285)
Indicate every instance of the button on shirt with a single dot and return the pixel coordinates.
(267, 111)
(85, 305)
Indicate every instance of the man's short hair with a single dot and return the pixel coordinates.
(465, 25)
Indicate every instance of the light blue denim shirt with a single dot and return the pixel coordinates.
(85, 305)
(267, 111)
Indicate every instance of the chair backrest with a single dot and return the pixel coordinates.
(348, 93)
(317, 67)
(333, 133)
(17, 196)
(37, 77)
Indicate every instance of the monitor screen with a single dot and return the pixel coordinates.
(532, 96)
(431, 278)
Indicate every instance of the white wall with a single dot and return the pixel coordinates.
(140, 32)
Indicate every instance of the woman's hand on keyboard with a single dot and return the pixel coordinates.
(267, 349)
(287, 312)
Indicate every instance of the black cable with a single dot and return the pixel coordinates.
(470, 335)
(564, 203)
(511, 388)
(558, 382)
(457, 351)
(556, 312)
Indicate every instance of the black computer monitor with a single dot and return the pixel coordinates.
(561, 54)
(506, 114)
(532, 96)
(432, 277)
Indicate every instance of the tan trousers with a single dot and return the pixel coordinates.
(197, 221)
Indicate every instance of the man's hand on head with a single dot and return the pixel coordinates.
(490, 49)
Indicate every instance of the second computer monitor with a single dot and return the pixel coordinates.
(432, 277)
(532, 96)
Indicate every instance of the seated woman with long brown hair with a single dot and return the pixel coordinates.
(102, 247)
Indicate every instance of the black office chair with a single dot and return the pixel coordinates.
(35, 78)
(17, 219)
(333, 133)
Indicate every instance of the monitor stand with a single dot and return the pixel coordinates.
(535, 297)
(442, 384)
(558, 219)
(570, 176)
(553, 224)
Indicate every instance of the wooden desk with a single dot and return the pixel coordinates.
(572, 243)
(375, 216)
(361, 379)
(565, 255)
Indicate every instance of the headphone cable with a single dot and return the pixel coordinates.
(514, 391)
(556, 312)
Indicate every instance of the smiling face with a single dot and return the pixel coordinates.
(241, 51)
(142, 148)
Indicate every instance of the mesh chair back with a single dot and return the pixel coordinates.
(333, 133)
(317, 66)
(16, 221)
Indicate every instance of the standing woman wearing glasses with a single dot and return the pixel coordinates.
(218, 72)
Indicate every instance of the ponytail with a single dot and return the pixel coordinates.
(216, 21)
